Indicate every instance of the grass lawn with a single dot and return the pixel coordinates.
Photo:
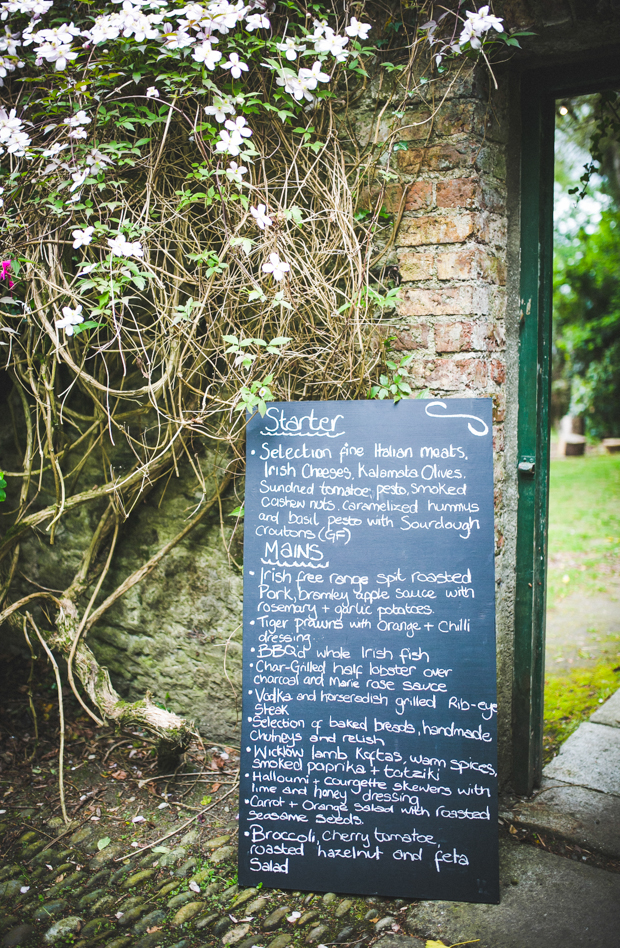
(584, 558)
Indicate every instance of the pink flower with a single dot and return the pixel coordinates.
(5, 266)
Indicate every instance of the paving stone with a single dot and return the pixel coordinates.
(343, 908)
(153, 918)
(590, 757)
(244, 896)
(27, 838)
(9, 921)
(222, 926)
(256, 906)
(148, 941)
(608, 713)
(272, 921)
(173, 857)
(31, 851)
(181, 899)
(249, 942)
(306, 918)
(229, 893)
(105, 856)
(137, 878)
(101, 904)
(60, 929)
(213, 888)
(186, 868)
(345, 934)
(384, 923)
(216, 842)
(90, 897)
(168, 887)
(236, 934)
(130, 903)
(205, 920)
(576, 814)
(49, 910)
(81, 835)
(187, 912)
(98, 879)
(222, 854)
(399, 941)
(557, 903)
(9, 872)
(184, 943)
(64, 867)
(119, 942)
(70, 882)
(202, 875)
(191, 838)
(119, 875)
(17, 936)
(329, 897)
(47, 856)
(132, 915)
(280, 941)
(316, 934)
(372, 916)
(10, 888)
(93, 927)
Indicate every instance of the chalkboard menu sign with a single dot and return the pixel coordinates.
(369, 693)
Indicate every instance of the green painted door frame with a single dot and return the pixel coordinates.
(539, 88)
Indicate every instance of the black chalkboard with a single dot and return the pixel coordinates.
(369, 693)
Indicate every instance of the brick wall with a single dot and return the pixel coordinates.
(450, 252)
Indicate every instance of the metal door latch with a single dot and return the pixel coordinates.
(527, 467)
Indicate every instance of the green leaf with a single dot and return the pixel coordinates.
(87, 324)
(237, 512)
(205, 802)
(160, 849)
(103, 842)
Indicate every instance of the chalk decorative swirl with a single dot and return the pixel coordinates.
(474, 431)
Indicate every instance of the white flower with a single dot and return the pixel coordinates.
(257, 21)
(81, 238)
(162, 806)
(331, 43)
(276, 267)
(87, 269)
(314, 74)
(293, 916)
(221, 107)
(8, 64)
(33, 8)
(138, 819)
(12, 137)
(262, 220)
(97, 161)
(80, 118)
(235, 65)
(121, 247)
(355, 28)
(9, 43)
(204, 53)
(24, 889)
(54, 45)
(152, 92)
(235, 172)
(319, 29)
(194, 886)
(477, 24)
(78, 178)
(228, 143)
(72, 317)
(238, 127)
(176, 39)
(290, 48)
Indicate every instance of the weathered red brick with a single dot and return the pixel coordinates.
(414, 337)
(455, 336)
(436, 158)
(497, 371)
(431, 229)
(471, 263)
(419, 195)
(416, 266)
(459, 192)
(445, 301)
(457, 374)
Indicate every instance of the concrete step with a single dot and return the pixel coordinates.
(546, 900)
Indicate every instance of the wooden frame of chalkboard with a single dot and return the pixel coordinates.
(368, 758)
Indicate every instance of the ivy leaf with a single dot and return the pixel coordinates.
(88, 324)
